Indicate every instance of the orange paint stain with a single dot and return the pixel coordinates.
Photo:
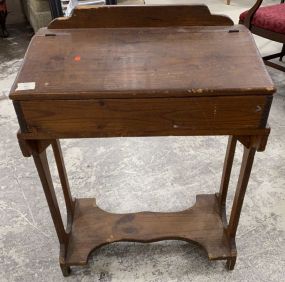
(77, 58)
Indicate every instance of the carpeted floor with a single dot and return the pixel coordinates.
(137, 174)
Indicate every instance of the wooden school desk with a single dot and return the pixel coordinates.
(143, 71)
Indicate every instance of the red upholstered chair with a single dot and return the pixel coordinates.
(267, 22)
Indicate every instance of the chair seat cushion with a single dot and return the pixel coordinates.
(269, 17)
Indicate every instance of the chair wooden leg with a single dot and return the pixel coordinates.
(282, 53)
(3, 15)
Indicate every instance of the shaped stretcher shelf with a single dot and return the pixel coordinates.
(203, 224)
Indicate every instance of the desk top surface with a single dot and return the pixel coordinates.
(141, 62)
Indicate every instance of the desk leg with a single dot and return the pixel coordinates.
(77, 245)
(63, 177)
(247, 161)
(246, 165)
(228, 163)
(42, 166)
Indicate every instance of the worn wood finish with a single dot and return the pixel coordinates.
(144, 117)
(153, 74)
(128, 63)
(228, 163)
(63, 177)
(42, 166)
(202, 224)
(29, 146)
(140, 16)
(260, 134)
(247, 161)
(258, 142)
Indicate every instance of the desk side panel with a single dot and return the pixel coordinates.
(144, 117)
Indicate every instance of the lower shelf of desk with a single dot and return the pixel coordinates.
(203, 224)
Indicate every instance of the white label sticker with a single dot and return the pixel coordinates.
(26, 86)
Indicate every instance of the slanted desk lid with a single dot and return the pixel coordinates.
(141, 62)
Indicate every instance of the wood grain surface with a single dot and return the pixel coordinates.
(144, 117)
(93, 227)
(142, 62)
(140, 16)
(143, 71)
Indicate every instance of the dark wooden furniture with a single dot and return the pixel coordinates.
(3, 15)
(267, 22)
(172, 70)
